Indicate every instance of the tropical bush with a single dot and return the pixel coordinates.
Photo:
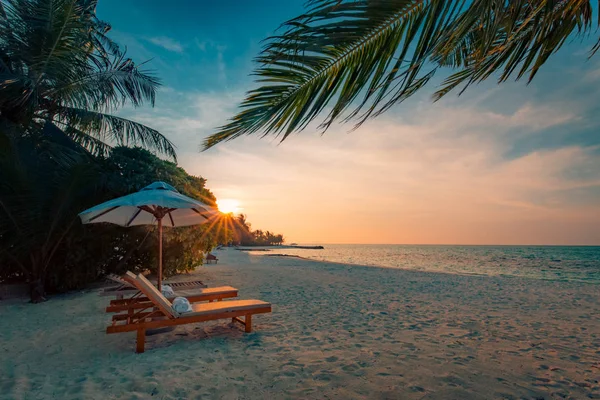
(43, 241)
(40, 196)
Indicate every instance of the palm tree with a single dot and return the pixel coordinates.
(242, 229)
(358, 58)
(59, 69)
(279, 239)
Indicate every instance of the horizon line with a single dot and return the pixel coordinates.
(445, 244)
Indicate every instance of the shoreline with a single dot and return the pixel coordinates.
(422, 271)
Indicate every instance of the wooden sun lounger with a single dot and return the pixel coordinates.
(161, 313)
(126, 289)
(194, 296)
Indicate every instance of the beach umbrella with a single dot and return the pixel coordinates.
(158, 203)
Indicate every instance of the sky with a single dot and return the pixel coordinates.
(508, 164)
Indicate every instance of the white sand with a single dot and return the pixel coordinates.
(335, 332)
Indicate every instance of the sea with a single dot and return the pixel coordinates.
(560, 263)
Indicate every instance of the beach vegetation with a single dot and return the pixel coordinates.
(63, 150)
(42, 240)
(242, 234)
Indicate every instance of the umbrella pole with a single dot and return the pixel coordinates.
(160, 238)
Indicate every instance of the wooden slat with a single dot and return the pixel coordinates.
(126, 291)
(139, 315)
(186, 284)
(186, 320)
(195, 294)
(144, 302)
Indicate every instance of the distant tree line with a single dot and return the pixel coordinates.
(244, 235)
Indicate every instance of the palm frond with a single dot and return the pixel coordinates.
(108, 86)
(94, 145)
(339, 50)
(44, 42)
(358, 58)
(113, 129)
(514, 40)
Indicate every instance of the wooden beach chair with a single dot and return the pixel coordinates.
(138, 300)
(125, 288)
(161, 313)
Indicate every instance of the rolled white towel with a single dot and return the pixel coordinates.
(167, 291)
(182, 305)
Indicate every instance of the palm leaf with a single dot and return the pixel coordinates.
(338, 50)
(94, 145)
(109, 128)
(357, 59)
(107, 86)
(524, 37)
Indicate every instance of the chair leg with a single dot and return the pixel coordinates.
(248, 323)
(141, 340)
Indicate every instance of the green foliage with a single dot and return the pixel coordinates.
(134, 168)
(58, 67)
(358, 58)
(42, 239)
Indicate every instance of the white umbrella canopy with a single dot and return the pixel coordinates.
(158, 203)
(142, 208)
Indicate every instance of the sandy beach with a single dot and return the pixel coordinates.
(336, 331)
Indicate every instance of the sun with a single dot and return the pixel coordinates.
(227, 206)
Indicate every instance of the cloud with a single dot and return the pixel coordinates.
(201, 44)
(221, 64)
(166, 43)
(206, 45)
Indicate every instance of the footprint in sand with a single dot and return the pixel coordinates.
(322, 377)
(350, 367)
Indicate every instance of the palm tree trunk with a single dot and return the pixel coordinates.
(37, 290)
(37, 278)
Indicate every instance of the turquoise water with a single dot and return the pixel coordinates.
(573, 263)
